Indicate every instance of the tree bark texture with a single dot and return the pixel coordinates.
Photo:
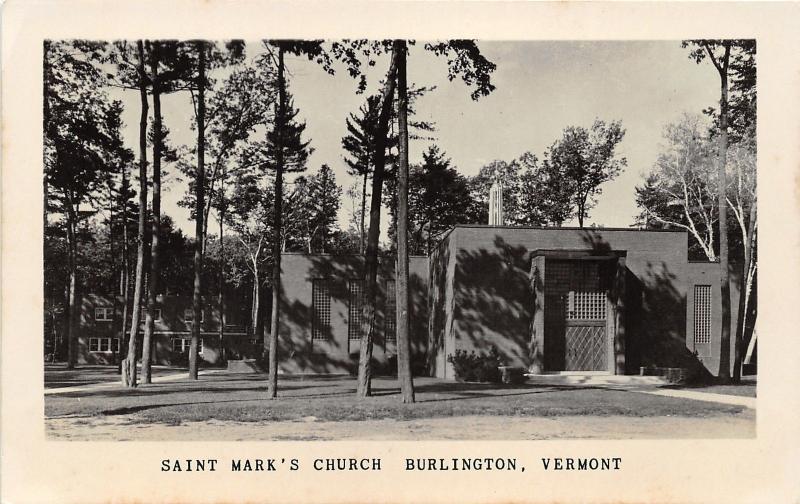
(200, 182)
(744, 294)
(280, 120)
(371, 256)
(363, 213)
(403, 343)
(72, 297)
(221, 299)
(724, 276)
(130, 361)
(153, 278)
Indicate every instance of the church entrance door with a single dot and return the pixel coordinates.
(576, 314)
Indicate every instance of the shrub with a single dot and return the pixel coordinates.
(477, 367)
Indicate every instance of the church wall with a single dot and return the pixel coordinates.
(493, 299)
(338, 353)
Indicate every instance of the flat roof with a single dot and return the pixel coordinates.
(444, 234)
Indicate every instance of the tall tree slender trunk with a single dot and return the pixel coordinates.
(112, 259)
(403, 343)
(724, 275)
(126, 266)
(124, 286)
(153, 283)
(200, 182)
(46, 119)
(72, 297)
(280, 119)
(129, 376)
(371, 257)
(221, 300)
(256, 307)
(363, 210)
(744, 293)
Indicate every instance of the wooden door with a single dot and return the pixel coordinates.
(576, 308)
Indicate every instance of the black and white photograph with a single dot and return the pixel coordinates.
(400, 239)
(381, 251)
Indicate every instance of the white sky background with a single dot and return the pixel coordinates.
(542, 87)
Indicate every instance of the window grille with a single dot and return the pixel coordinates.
(580, 287)
(321, 316)
(702, 314)
(584, 305)
(354, 311)
(390, 313)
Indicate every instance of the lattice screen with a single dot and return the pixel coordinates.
(390, 313)
(702, 314)
(321, 313)
(586, 305)
(354, 311)
(580, 287)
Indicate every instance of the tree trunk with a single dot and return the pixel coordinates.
(371, 256)
(126, 266)
(153, 283)
(130, 361)
(272, 382)
(363, 210)
(724, 276)
(256, 305)
(221, 300)
(403, 343)
(200, 182)
(72, 307)
(741, 316)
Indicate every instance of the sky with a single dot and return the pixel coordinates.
(542, 87)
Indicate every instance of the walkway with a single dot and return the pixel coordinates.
(652, 385)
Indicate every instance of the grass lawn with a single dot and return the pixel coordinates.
(242, 397)
(58, 376)
(743, 389)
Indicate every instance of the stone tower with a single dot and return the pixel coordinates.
(496, 204)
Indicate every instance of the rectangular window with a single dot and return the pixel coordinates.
(104, 314)
(143, 314)
(321, 309)
(354, 312)
(104, 344)
(702, 314)
(182, 345)
(390, 312)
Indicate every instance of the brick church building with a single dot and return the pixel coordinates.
(550, 299)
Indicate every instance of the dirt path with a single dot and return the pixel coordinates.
(479, 427)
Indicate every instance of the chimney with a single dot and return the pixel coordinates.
(496, 204)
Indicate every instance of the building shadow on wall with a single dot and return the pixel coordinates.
(492, 301)
(655, 316)
(493, 306)
(336, 354)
